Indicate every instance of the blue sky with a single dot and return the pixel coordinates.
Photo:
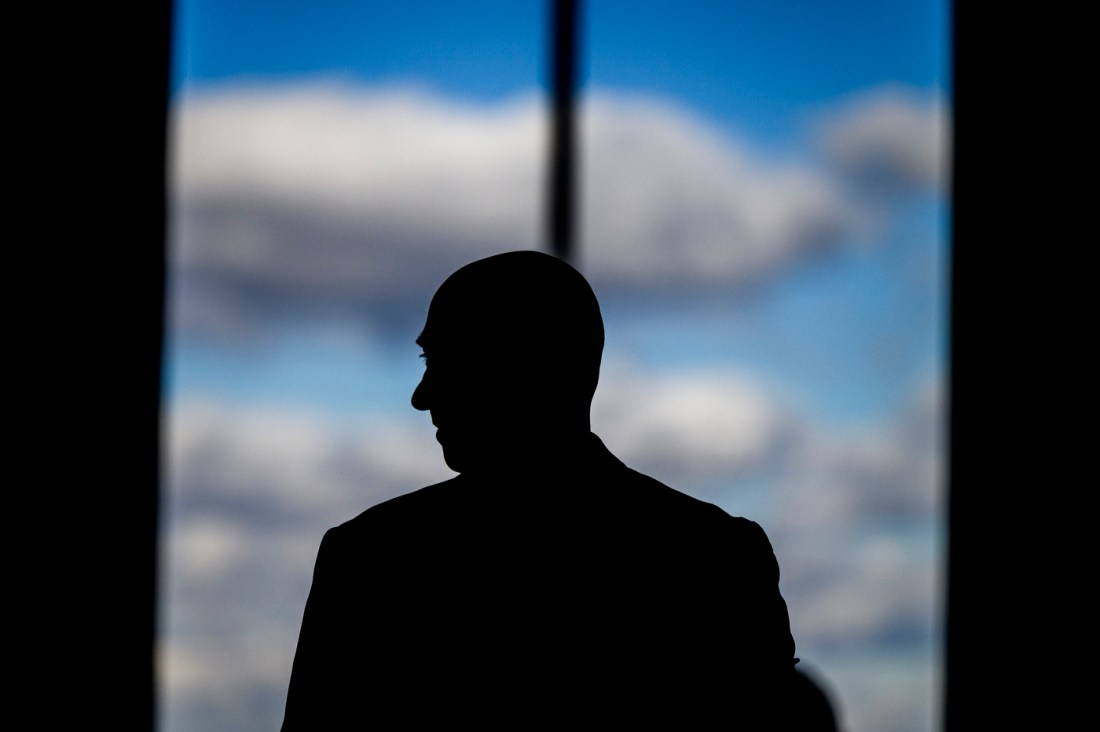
(764, 217)
(755, 65)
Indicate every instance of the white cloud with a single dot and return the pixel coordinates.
(875, 590)
(250, 492)
(889, 138)
(293, 463)
(668, 199)
(294, 199)
(856, 530)
(888, 472)
(688, 425)
(399, 157)
(300, 199)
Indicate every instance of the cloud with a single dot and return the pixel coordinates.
(890, 139)
(321, 198)
(886, 473)
(689, 425)
(669, 200)
(326, 198)
(250, 492)
(280, 465)
(855, 527)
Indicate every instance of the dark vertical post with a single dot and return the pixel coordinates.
(91, 441)
(561, 215)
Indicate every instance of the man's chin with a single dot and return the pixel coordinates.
(452, 463)
(483, 455)
(454, 457)
(463, 457)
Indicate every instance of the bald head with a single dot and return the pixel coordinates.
(521, 305)
(513, 339)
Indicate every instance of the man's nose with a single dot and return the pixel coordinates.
(420, 394)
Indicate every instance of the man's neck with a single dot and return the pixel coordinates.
(539, 454)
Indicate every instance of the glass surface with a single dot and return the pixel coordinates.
(763, 216)
(331, 163)
(765, 212)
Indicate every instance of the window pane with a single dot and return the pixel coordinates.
(331, 164)
(764, 211)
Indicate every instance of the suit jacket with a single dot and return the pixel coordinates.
(581, 588)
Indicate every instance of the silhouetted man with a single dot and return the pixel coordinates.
(547, 582)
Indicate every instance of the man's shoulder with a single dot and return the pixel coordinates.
(669, 498)
(407, 506)
(635, 486)
(604, 490)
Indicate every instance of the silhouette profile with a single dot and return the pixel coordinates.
(547, 582)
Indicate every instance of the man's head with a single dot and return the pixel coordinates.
(512, 345)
